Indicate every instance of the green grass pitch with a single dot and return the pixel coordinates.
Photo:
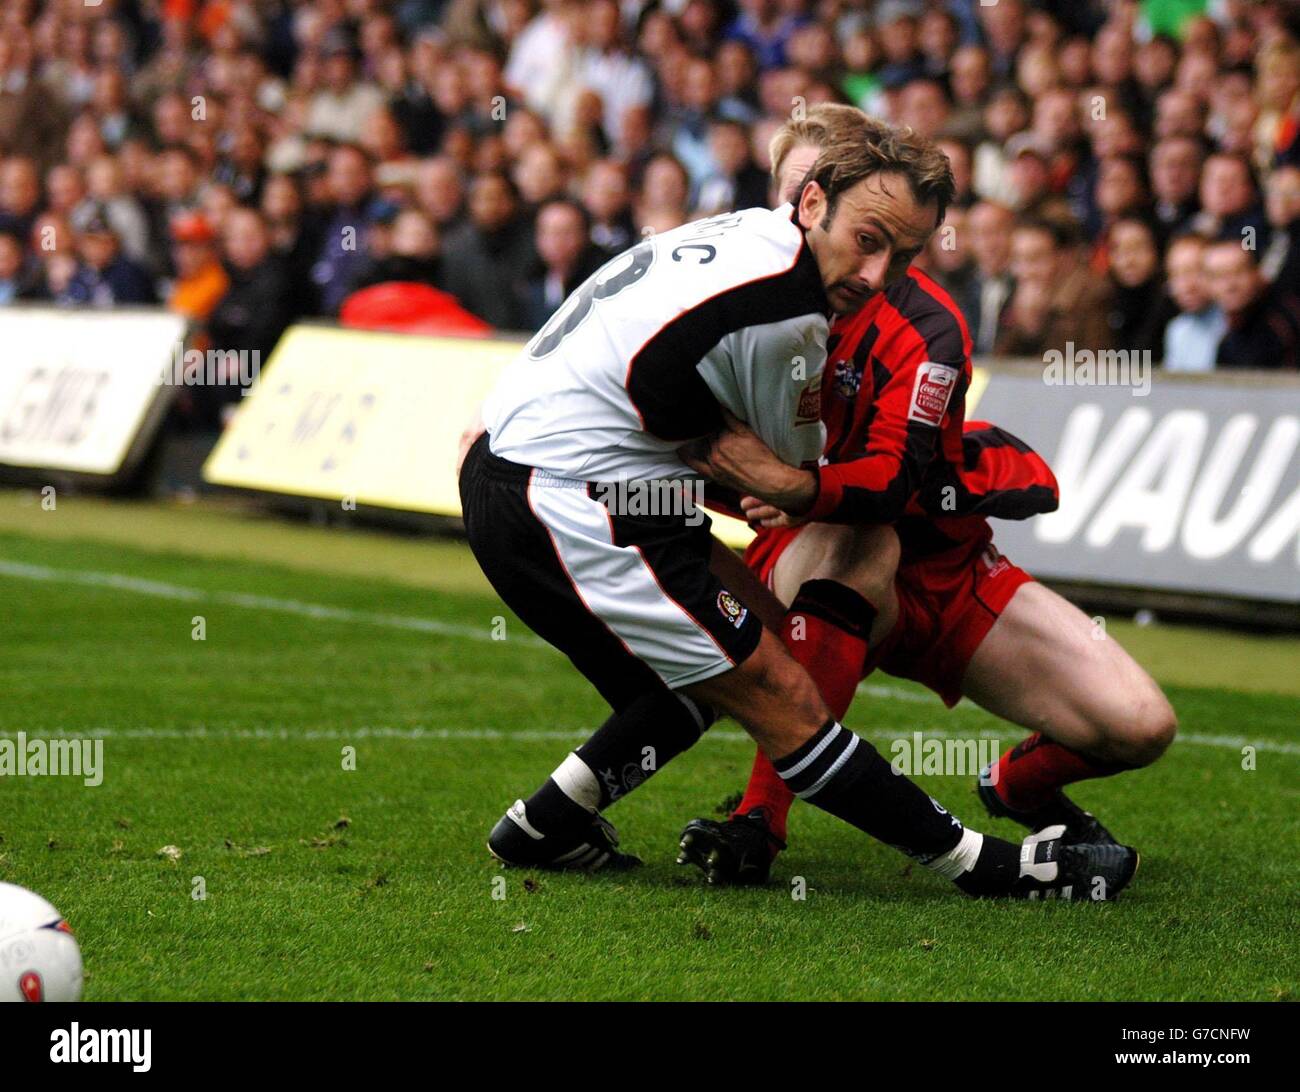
(373, 883)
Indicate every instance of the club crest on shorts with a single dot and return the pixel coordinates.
(731, 608)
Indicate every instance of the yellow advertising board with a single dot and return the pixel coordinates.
(371, 417)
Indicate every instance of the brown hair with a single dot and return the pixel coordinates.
(854, 146)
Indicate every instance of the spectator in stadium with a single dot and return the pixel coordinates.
(1005, 114)
(898, 31)
(487, 258)
(1230, 207)
(737, 74)
(686, 125)
(20, 195)
(1263, 320)
(988, 228)
(340, 108)
(1120, 191)
(242, 166)
(947, 256)
(413, 257)
(33, 121)
(1175, 165)
(104, 276)
(607, 197)
(1028, 179)
(252, 314)
(1192, 337)
(605, 66)
(106, 184)
(347, 218)
(295, 239)
(439, 191)
(1056, 301)
(765, 27)
(64, 189)
(665, 189)
(1280, 263)
(539, 176)
(1004, 29)
(924, 105)
(19, 278)
(566, 258)
(111, 108)
(1277, 89)
(200, 281)
(1139, 309)
(969, 79)
(960, 160)
(176, 178)
(735, 181)
(1179, 113)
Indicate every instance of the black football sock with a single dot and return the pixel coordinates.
(845, 775)
(622, 753)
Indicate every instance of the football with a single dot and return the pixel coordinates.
(39, 957)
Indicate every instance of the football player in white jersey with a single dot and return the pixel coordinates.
(726, 316)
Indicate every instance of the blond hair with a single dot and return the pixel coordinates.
(853, 146)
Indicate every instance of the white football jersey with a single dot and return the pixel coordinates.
(728, 311)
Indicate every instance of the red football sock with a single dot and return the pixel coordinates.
(766, 790)
(1031, 771)
(827, 630)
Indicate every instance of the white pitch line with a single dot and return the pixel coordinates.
(543, 735)
(120, 582)
(320, 611)
(178, 592)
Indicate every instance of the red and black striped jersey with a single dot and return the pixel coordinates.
(898, 449)
(1000, 477)
(893, 402)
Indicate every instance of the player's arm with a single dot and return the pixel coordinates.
(736, 459)
(1001, 477)
(767, 379)
(903, 437)
(472, 432)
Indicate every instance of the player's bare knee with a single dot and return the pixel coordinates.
(1144, 728)
(1157, 724)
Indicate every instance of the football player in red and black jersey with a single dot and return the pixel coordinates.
(887, 561)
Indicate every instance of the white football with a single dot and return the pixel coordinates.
(39, 957)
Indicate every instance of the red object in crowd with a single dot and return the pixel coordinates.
(410, 308)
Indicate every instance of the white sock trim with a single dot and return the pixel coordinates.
(961, 858)
(577, 781)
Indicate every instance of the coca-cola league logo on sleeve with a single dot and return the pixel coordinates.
(930, 393)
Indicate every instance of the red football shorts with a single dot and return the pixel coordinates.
(947, 603)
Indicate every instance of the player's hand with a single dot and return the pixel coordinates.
(472, 432)
(738, 459)
(758, 513)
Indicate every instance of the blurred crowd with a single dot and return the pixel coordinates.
(1128, 172)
